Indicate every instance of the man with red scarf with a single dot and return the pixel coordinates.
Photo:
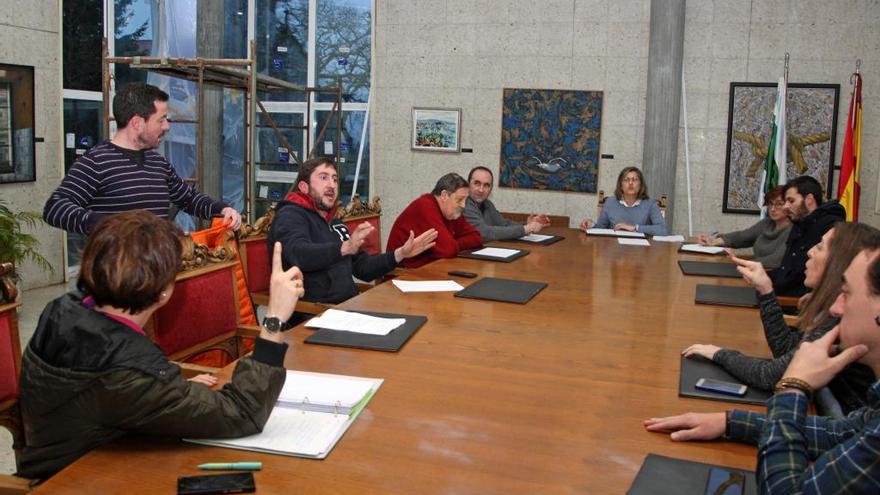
(317, 242)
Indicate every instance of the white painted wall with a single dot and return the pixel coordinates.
(462, 53)
(30, 36)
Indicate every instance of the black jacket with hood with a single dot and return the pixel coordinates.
(312, 240)
(87, 379)
(788, 279)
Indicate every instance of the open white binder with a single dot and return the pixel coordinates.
(313, 411)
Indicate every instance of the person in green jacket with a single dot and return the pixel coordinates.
(90, 375)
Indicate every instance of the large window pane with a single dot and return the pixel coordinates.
(352, 124)
(235, 43)
(134, 36)
(343, 47)
(83, 27)
(82, 130)
(282, 44)
(275, 170)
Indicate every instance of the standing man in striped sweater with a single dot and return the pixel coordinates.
(126, 173)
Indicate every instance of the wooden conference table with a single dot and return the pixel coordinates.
(546, 397)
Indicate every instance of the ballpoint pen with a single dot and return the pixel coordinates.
(231, 466)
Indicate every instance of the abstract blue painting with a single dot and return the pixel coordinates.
(550, 139)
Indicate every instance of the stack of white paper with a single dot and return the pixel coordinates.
(427, 285)
(696, 248)
(349, 321)
(668, 238)
(535, 237)
(496, 252)
(633, 242)
(615, 233)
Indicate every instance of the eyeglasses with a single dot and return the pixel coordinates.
(777, 206)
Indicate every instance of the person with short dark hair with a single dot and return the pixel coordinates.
(91, 375)
(440, 210)
(126, 173)
(321, 245)
(482, 214)
(799, 453)
(633, 210)
(766, 238)
(811, 218)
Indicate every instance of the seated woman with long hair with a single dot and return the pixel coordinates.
(824, 274)
(632, 209)
(90, 375)
(766, 238)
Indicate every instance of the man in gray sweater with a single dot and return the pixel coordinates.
(482, 214)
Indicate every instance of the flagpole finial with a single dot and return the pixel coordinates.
(787, 57)
(858, 66)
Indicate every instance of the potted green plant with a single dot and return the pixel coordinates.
(17, 246)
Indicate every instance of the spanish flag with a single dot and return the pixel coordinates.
(850, 162)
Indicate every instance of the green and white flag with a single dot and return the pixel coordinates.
(777, 150)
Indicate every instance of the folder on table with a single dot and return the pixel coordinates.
(502, 289)
(389, 343)
(726, 296)
(542, 239)
(504, 255)
(313, 411)
(661, 475)
(709, 269)
(698, 249)
(696, 367)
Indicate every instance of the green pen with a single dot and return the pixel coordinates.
(232, 466)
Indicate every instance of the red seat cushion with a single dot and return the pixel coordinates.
(258, 269)
(200, 308)
(8, 373)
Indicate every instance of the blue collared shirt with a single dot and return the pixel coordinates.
(798, 453)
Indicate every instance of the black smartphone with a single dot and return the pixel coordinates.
(459, 273)
(216, 483)
(725, 482)
(737, 389)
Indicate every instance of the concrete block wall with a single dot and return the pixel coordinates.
(30, 36)
(462, 53)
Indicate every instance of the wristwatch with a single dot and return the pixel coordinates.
(273, 325)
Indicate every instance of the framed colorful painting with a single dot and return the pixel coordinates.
(436, 129)
(550, 139)
(811, 128)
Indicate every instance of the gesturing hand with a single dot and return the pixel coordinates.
(356, 239)
(814, 364)
(415, 246)
(706, 350)
(285, 287)
(753, 272)
(533, 227)
(690, 426)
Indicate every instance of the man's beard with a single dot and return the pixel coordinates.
(319, 202)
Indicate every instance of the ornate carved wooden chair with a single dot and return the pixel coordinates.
(201, 323)
(10, 367)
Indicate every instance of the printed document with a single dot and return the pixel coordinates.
(350, 321)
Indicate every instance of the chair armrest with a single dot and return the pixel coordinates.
(190, 370)
(252, 331)
(13, 485)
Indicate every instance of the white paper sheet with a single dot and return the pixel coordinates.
(427, 285)
(616, 233)
(668, 238)
(696, 248)
(535, 237)
(496, 252)
(633, 242)
(350, 321)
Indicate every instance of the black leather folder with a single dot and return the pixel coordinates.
(502, 289)
(545, 242)
(709, 269)
(470, 254)
(661, 475)
(696, 367)
(389, 343)
(726, 296)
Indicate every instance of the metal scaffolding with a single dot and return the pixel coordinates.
(231, 73)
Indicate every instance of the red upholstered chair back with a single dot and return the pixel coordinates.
(202, 311)
(373, 243)
(255, 255)
(10, 352)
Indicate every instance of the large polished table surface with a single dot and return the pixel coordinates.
(487, 397)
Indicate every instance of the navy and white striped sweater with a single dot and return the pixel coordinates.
(106, 180)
